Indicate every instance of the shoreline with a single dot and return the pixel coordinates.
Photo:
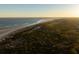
(19, 28)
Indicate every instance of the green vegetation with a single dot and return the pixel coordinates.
(58, 36)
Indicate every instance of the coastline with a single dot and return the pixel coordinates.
(6, 32)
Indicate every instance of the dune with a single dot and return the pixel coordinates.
(59, 36)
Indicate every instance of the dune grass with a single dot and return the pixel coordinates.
(58, 36)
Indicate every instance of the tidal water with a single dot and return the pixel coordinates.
(13, 22)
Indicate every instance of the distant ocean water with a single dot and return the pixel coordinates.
(13, 22)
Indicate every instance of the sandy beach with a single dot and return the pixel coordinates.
(6, 32)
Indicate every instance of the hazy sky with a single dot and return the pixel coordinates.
(40, 10)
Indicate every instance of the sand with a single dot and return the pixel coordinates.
(6, 32)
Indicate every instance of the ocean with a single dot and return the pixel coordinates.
(13, 22)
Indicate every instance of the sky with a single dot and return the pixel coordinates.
(39, 10)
